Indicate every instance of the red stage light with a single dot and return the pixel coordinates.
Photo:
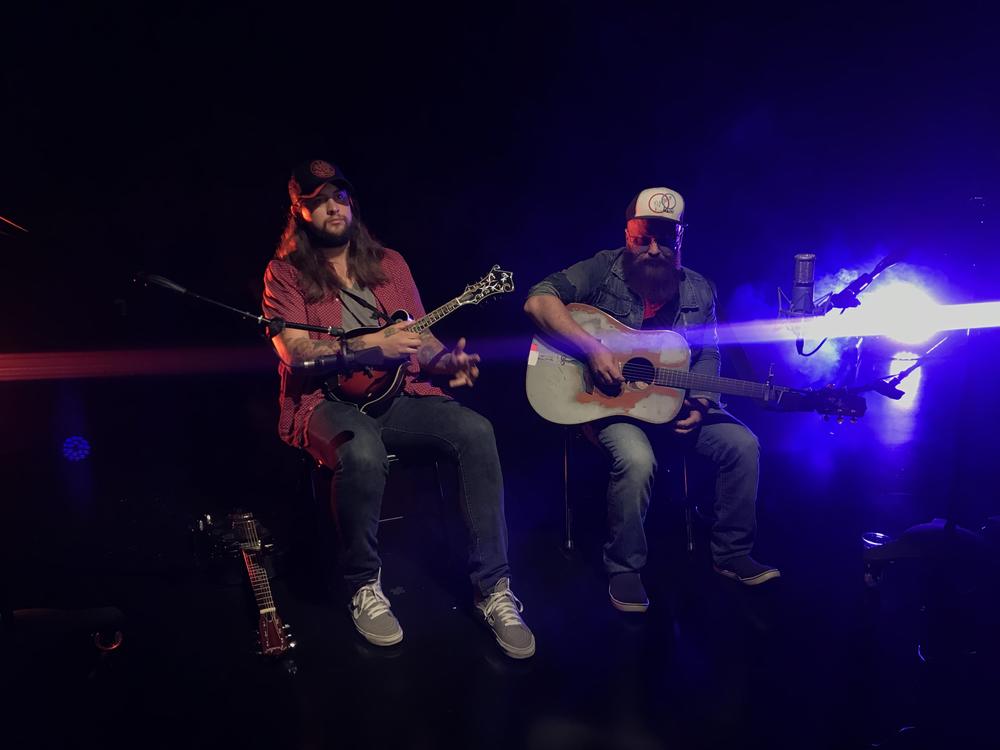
(131, 362)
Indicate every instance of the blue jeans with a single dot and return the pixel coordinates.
(355, 446)
(632, 447)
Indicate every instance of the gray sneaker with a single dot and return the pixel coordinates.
(501, 611)
(373, 618)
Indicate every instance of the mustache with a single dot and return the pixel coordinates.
(332, 238)
(651, 261)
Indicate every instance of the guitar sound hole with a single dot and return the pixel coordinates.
(639, 371)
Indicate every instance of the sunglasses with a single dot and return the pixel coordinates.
(338, 195)
(663, 239)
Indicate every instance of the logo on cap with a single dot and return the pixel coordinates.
(662, 203)
(322, 169)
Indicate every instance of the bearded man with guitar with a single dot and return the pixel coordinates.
(643, 286)
(352, 400)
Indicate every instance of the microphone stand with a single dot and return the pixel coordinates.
(948, 553)
(274, 325)
(848, 296)
(889, 388)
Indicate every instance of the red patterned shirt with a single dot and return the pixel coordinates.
(300, 392)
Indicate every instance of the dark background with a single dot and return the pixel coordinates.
(146, 139)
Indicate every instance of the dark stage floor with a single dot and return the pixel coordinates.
(813, 660)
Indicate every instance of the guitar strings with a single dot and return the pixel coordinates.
(258, 576)
(644, 372)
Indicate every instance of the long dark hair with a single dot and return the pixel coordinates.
(316, 278)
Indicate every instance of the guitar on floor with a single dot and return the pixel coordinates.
(273, 636)
(656, 366)
(371, 387)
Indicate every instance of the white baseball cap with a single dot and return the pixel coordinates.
(656, 203)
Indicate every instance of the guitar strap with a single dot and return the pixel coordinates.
(366, 304)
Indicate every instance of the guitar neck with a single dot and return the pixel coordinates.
(258, 581)
(687, 380)
(434, 316)
(246, 528)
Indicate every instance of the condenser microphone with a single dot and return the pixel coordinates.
(802, 284)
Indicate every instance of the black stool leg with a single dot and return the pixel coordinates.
(688, 525)
(567, 509)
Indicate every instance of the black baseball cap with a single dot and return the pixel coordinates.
(309, 177)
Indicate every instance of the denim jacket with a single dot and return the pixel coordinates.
(600, 281)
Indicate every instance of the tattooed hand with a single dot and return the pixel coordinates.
(395, 341)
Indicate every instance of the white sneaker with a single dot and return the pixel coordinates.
(372, 615)
(501, 611)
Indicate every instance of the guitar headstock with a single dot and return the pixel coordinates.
(273, 635)
(497, 281)
(830, 402)
(245, 530)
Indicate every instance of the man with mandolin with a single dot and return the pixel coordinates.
(642, 292)
(353, 398)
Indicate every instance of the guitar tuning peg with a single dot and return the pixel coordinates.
(840, 419)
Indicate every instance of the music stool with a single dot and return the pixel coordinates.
(676, 468)
(413, 490)
(393, 501)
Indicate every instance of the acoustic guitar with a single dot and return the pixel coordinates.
(656, 367)
(273, 635)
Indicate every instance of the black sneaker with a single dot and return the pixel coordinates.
(746, 570)
(627, 593)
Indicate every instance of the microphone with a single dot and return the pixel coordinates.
(320, 363)
(346, 360)
(888, 388)
(848, 296)
(802, 285)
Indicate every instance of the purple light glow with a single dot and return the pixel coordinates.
(902, 310)
(852, 323)
(75, 448)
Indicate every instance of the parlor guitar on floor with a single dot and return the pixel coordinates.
(655, 364)
(371, 388)
(272, 635)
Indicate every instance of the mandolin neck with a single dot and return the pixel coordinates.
(422, 324)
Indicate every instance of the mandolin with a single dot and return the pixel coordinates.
(371, 387)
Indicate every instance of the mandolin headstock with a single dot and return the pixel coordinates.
(497, 281)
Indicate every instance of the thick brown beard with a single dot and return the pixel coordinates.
(323, 238)
(655, 280)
